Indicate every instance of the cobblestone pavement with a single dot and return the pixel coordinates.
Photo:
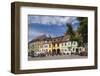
(57, 57)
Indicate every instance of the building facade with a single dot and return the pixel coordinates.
(54, 46)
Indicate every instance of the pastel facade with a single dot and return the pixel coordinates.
(33, 46)
(68, 47)
(58, 45)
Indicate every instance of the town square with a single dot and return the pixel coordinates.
(57, 37)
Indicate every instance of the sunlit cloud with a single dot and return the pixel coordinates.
(33, 33)
(50, 20)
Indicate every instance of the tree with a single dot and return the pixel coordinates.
(69, 31)
(83, 30)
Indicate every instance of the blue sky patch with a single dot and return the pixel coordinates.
(49, 25)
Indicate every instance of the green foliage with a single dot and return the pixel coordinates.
(70, 32)
(81, 34)
(83, 30)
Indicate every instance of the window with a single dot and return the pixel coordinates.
(40, 46)
(73, 49)
(74, 43)
(49, 46)
(45, 41)
(54, 39)
(46, 49)
(80, 49)
(45, 46)
(62, 44)
(65, 44)
(69, 43)
(58, 45)
(53, 45)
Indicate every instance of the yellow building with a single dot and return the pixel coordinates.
(54, 46)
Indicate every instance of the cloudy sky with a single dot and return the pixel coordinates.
(49, 25)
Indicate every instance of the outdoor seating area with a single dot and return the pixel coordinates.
(80, 52)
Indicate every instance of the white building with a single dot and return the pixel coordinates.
(68, 47)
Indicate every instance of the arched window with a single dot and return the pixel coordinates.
(62, 44)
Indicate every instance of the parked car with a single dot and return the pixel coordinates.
(84, 53)
(38, 54)
(42, 54)
(65, 52)
(34, 54)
